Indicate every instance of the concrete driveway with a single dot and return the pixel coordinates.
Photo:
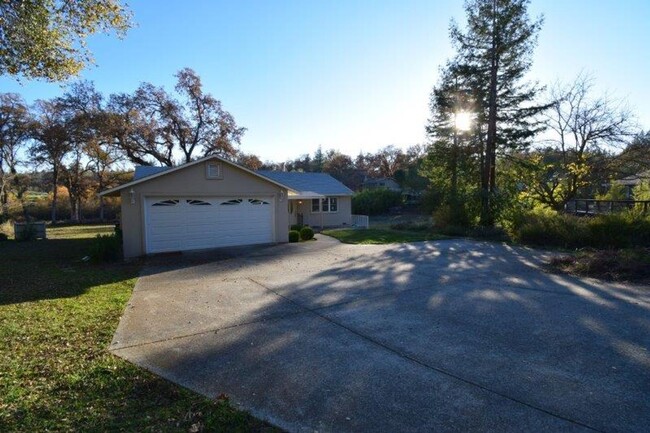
(434, 336)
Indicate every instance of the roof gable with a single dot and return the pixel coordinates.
(319, 183)
(150, 173)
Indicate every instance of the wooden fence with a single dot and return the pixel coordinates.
(361, 221)
(598, 207)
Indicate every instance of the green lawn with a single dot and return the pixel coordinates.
(57, 318)
(380, 236)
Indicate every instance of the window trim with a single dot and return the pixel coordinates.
(329, 204)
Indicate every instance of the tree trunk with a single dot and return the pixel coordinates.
(4, 199)
(55, 180)
(101, 208)
(489, 173)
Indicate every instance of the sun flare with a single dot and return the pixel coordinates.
(463, 121)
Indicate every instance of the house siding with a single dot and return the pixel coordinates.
(336, 219)
(192, 181)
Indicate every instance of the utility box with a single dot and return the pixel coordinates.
(29, 231)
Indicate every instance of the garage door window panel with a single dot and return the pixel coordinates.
(166, 203)
(198, 203)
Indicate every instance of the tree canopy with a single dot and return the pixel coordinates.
(47, 38)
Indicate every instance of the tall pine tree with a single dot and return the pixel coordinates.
(494, 53)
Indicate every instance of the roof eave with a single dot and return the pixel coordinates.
(117, 189)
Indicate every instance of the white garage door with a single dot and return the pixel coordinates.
(190, 223)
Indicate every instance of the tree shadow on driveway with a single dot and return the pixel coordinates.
(434, 336)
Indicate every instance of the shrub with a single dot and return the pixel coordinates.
(3, 236)
(375, 201)
(603, 231)
(296, 227)
(106, 248)
(447, 215)
(306, 233)
(294, 236)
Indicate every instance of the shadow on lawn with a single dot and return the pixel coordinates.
(52, 269)
(413, 325)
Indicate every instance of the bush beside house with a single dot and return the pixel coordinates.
(375, 201)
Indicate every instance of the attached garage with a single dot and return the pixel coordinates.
(208, 203)
(191, 223)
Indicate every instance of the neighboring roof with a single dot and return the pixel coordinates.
(147, 170)
(635, 179)
(384, 182)
(308, 183)
(168, 170)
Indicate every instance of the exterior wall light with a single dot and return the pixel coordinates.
(132, 194)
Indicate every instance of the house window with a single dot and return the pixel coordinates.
(326, 205)
(213, 170)
(334, 204)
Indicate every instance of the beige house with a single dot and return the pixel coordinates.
(211, 203)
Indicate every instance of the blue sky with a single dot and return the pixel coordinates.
(348, 74)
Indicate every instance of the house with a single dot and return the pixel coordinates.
(213, 202)
(384, 182)
(319, 201)
(630, 182)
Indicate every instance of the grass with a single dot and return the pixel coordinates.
(380, 236)
(57, 318)
(629, 265)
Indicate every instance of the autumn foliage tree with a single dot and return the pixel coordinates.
(15, 124)
(582, 126)
(152, 126)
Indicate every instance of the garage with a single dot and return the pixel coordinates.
(191, 223)
(207, 203)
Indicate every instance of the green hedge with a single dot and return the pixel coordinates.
(622, 230)
(375, 201)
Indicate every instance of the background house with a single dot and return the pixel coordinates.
(630, 182)
(384, 182)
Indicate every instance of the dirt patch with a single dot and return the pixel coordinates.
(627, 265)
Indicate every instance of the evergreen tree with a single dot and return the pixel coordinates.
(318, 161)
(494, 53)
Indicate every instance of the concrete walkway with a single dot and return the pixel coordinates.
(434, 336)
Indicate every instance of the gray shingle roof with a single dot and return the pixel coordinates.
(635, 179)
(320, 183)
(147, 170)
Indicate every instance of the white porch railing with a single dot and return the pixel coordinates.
(361, 221)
